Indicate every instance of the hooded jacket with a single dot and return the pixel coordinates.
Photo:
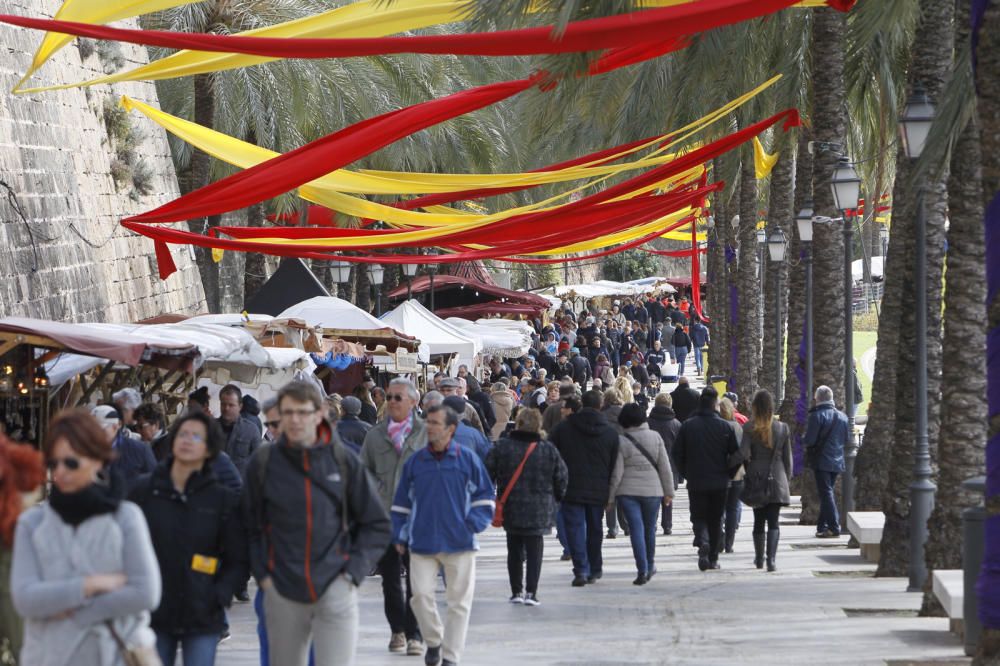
(503, 405)
(588, 445)
(664, 422)
(293, 510)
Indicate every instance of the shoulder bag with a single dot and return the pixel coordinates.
(760, 486)
(498, 513)
(643, 451)
(134, 655)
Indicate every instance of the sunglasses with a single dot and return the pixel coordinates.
(72, 464)
(272, 424)
(398, 397)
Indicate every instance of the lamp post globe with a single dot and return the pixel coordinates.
(846, 185)
(915, 125)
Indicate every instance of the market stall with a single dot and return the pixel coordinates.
(452, 346)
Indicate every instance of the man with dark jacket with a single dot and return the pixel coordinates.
(563, 367)
(315, 527)
(826, 434)
(133, 457)
(350, 427)
(663, 421)
(242, 434)
(472, 391)
(553, 411)
(582, 371)
(685, 399)
(705, 452)
(589, 446)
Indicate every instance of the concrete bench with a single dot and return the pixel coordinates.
(866, 527)
(949, 588)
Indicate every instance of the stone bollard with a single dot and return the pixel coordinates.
(972, 561)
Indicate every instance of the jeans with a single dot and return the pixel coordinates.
(196, 649)
(561, 531)
(396, 603)
(734, 511)
(707, 509)
(828, 519)
(680, 353)
(585, 535)
(699, 362)
(641, 513)
(519, 549)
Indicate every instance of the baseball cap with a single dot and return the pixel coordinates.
(450, 382)
(106, 415)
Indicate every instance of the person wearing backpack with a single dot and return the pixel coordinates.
(531, 480)
(316, 527)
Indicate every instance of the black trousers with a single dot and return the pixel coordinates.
(707, 509)
(766, 514)
(522, 548)
(397, 604)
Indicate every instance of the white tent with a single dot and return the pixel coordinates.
(506, 341)
(858, 268)
(332, 312)
(439, 336)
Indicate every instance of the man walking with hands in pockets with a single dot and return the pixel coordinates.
(444, 498)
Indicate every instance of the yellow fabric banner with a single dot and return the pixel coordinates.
(762, 162)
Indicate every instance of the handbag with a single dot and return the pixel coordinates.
(135, 655)
(758, 487)
(643, 451)
(498, 513)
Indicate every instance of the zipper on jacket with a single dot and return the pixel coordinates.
(309, 525)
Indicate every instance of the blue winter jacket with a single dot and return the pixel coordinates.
(473, 440)
(699, 334)
(827, 429)
(440, 506)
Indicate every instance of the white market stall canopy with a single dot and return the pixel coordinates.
(332, 312)
(602, 288)
(858, 268)
(505, 341)
(216, 343)
(654, 283)
(436, 334)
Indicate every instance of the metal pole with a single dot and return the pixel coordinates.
(777, 334)
(760, 283)
(409, 288)
(922, 489)
(432, 291)
(851, 449)
(378, 300)
(809, 324)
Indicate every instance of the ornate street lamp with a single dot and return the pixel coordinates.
(804, 222)
(914, 128)
(376, 274)
(409, 270)
(776, 245)
(340, 271)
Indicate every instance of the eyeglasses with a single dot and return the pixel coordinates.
(272, 424)
(300, 413)
(398, 397)
(72, 464)
(191, 436)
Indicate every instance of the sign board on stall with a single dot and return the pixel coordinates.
(406, 361)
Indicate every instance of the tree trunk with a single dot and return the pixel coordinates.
(779, 215)
(204, 115)
(988, 88)
(255, 268)
(962, 445)
(717, 306)
(930, 68)
(362, 286)
(747, 330)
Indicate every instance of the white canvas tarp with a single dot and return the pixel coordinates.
(436, 334)
(332, 312)
(505, 341)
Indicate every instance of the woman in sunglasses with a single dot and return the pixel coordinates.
(84, 575)
(198, 538)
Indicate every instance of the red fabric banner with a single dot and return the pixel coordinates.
(674, 253)
(610, 32)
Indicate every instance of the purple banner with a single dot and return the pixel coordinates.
(801, 405)
(988, 585)
(978, 10)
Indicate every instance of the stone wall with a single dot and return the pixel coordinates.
(63, 254)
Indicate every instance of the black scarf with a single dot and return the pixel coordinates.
(102, 496)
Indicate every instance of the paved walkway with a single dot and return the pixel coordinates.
(821, 607)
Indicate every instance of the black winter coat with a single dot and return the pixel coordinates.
(704, 451)
(203, 520)
(581, 370)
(589, 447)
(685, 401)
(352, 431)
(530, 509)
(663, 421)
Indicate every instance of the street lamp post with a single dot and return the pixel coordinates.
(761, 243)
(409, 270)
(776, 245)
(914, 127)
(804, 221)
(432, 268)
(846, 194)
(375, 275)
(340, 271)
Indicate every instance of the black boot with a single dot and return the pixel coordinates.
(758, 549)
(772, 548)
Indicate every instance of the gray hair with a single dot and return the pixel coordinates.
(128, 398)
(410, 388)
(432, 398)
(824, 394)
(269, 404)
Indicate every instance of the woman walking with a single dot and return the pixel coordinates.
(682, 345)
(640, 482)
(198, 538)
(528, 500)
(767, 447)
(84, 575)
(734, 507)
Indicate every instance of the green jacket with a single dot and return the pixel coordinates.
(379, 456)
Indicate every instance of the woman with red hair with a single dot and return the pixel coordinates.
(21, 471)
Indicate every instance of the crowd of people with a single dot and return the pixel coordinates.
(149, 533)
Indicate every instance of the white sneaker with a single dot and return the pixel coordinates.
(517, 598)
(531, 600)
(397, 642)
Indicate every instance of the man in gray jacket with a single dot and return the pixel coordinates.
(316, 527)
(386, 449)
(242, 435)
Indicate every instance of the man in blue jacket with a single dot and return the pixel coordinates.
(826, 435)
(444, 498)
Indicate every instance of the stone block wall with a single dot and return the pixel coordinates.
(63, 254)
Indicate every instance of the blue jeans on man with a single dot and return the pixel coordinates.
(829, 519)
(641, 514)
(197, 649)
(699, 361)
(585, 535)
(680, 353)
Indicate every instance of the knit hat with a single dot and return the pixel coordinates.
(350, 405)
